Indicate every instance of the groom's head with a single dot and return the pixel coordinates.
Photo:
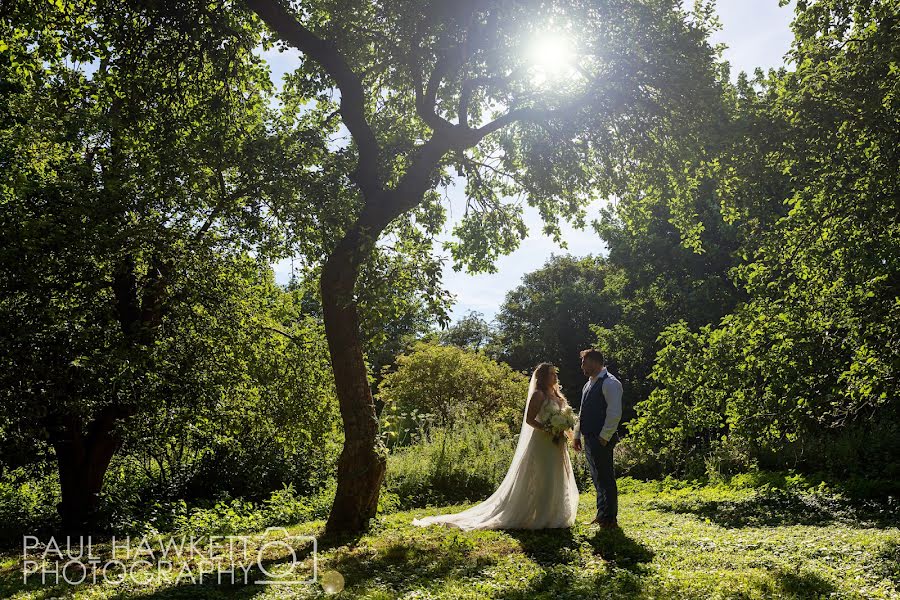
(591, 362)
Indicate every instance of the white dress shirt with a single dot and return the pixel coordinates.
(612, 391)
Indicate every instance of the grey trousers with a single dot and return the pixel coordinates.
(600, 461)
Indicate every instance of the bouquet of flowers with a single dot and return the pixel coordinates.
(556, 420)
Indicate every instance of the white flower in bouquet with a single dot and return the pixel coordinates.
(546, 412)
(559, 420)
(562, 420)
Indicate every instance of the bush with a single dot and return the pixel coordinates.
(747, 395)
(447, 386)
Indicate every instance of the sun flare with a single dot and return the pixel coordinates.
(552, 55)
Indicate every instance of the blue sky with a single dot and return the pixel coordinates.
(757, 33)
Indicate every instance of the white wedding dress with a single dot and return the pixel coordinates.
(538, 492)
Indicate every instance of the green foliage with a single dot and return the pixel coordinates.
(803, 371)
(27, 504)
(746, 393)
(274, 420)
(146, 186)
(235, 516)
(548, 317)
(450, 465)
(266, 416)
(226, 516)
(451, 388)
(394, 313)
(132, 196)
(654, 281)
(471, 331)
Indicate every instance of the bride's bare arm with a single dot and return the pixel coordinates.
(534, 406)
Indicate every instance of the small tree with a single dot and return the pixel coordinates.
(452, 385)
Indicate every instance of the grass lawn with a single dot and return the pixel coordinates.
(677, 541)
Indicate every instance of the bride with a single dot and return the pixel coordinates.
(539, 490)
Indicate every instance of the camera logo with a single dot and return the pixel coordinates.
(276, 557)
(291, 548)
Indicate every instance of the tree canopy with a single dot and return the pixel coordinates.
(548, 317)
(135, 205)
(813, 351)
(424, 90)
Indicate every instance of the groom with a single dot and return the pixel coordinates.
(598, 418)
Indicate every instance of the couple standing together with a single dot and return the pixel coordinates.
(539, 490)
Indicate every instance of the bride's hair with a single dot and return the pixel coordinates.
(542, 379)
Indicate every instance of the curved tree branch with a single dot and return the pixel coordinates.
(447, 64)
(352, 107)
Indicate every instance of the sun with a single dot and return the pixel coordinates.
(552, 55)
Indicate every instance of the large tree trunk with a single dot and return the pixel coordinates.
(83, 454)
(83, 458)
(360, 467)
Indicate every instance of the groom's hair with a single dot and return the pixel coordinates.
(593, 354)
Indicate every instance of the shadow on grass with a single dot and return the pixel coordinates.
(802, 585)
(776, 507)
(11, 579)
(621, 551)
(888, 563)
(546, 546)
(408, 564)
(557, 551)
(557, 546)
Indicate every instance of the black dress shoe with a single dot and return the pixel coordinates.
(608, 524)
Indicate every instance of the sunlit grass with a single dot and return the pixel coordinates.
(676, 542)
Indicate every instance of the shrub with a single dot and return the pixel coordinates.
(748, 395)
(447, 386)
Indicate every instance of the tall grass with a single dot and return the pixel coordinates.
(463, 464)
(449, 466)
